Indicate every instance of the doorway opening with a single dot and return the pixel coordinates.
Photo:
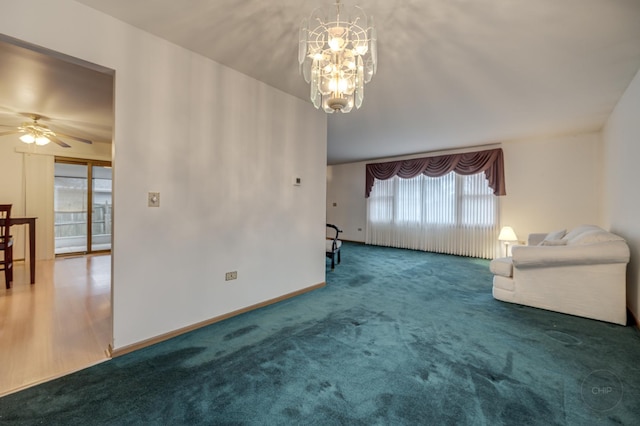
(76, 99)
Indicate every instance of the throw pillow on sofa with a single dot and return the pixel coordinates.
(580, 230)
(552, 237)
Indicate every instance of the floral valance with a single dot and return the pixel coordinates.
(490, 162)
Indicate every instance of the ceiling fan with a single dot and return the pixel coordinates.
(34, 132)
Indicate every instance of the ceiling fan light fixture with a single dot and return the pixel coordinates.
(33, 132)
(35, 136)
(337, 55)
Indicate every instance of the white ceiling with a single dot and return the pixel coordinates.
(451, 73)
(72, 96)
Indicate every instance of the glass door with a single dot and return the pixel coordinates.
(101, 208)
(78, 184)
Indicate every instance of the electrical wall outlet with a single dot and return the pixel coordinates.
(154, 199)
(233, 275)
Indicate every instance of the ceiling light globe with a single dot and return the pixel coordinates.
(42, 140)
(27, 138)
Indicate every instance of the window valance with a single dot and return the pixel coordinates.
(490, 162)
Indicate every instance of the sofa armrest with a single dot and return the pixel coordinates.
(535, 239)
(589, 254)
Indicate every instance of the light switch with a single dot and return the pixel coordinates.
(154, 199)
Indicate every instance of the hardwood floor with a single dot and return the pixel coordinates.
(60, 324)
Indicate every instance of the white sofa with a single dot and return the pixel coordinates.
(581, 272)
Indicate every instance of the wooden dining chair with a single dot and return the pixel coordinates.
(6, 244)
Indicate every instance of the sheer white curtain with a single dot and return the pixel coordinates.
(452, 214)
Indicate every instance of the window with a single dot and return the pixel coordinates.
(434, 213)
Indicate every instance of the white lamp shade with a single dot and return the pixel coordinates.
(507, 234)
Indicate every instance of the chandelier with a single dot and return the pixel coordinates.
(337, 55)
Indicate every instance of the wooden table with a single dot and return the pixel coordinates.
(31, 221)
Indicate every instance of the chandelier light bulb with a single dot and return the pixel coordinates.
(336, 38)
(335, 44)
(337, 54)
(362, 49)
(333, 85)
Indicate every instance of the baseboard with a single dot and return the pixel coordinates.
(152, 341)
(350, 241)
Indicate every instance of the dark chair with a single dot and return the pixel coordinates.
(333, 246)
(6, 244)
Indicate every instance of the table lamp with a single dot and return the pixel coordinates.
(507, 236)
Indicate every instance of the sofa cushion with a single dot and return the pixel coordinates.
(501, 266)
(553, 243)
(580, 230)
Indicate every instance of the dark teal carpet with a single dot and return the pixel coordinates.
(396, 337)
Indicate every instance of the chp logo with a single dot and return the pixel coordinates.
(602, 390)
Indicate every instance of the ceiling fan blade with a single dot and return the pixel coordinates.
(74, 138)
(59, 142)
(11, 132)
(7, 110)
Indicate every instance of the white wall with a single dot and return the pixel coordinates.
(621, 192)
(552, 183)
(223, 151)
(345, 188)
